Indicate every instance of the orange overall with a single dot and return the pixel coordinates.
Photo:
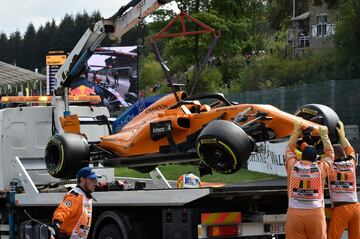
(306, 216)
(342, 186)
(74, 214)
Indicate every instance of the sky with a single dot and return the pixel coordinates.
(18, 14)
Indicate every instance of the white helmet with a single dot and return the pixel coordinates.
(189, 180)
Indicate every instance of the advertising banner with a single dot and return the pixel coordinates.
(270, 159)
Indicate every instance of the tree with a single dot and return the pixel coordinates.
(347, 41)
(355, 4)
(81, 23)
(46, 39)
(150, 73)
(135, 35)
(29, 52)
(66, 33)
(4, 52)
(14, 46)
(195, 6)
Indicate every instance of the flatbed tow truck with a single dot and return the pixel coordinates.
(29, 195)
(135, 210)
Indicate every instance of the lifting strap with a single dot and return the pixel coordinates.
(203, 29)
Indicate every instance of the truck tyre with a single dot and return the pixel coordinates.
(323, 115)
(224, 146)
(110, 231)
(111, 225)
(65, 154)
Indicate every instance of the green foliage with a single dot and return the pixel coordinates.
(160, 19)
(230, 68)
(150, 73)
(29, 51)
(173, 172)
(273, 71)
(135, 36)
(348, 41)
(210, 80)
(198, 5)
(4, 51)
(280, 12)
(329, 3)
(14, 46)
(179, 52)
(341, 63)
(275, 43)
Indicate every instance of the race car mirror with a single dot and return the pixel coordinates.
(160, 129)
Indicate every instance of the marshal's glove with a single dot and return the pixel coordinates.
(54, 229)
(297, 125)
(341, 132)
(296, 132)
(323, 131)
(324, 134)
(340, 129)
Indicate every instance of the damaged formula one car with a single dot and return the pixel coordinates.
(208, 129)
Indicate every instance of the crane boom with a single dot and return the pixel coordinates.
(114, 27)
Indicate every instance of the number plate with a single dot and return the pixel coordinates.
(277, 228)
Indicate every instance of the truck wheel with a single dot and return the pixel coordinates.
(110, 231)
(65, 154)
(224, 146)
(323, 115)
(111, 225)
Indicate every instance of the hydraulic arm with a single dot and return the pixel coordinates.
(114, 27)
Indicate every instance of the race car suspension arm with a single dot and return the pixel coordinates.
(241, 116)
(259, 116)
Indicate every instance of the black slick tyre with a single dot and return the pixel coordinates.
(65, 154)
(323, 115)
(224, 146)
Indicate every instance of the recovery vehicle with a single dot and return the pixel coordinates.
(134, 210)
(28, 186)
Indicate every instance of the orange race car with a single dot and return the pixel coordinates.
(206, 129)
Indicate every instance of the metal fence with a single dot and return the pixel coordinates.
(342, 96)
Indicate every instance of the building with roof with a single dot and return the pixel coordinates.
(313, 30)
(19, 81)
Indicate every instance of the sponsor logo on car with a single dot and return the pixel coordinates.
(208, 141)
(309, 111)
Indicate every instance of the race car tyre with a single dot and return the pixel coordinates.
(65, 154)
(321, 114)
(224, 146)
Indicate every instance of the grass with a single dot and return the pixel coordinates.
(172, 172)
